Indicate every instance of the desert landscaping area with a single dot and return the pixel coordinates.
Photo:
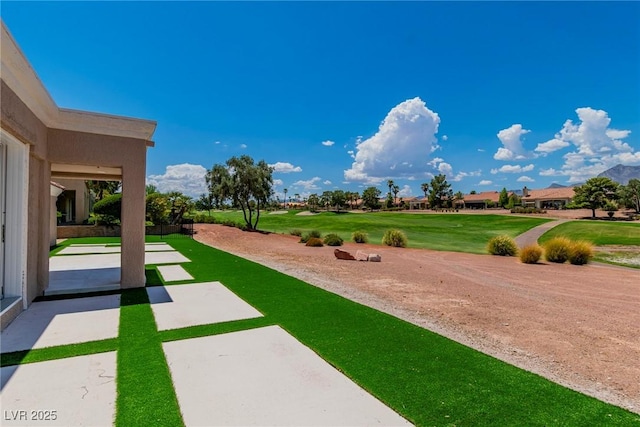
(575, 325)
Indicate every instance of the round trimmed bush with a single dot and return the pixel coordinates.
(530, 254)
(296, 233)
(557, 249)
(580, 252)
(503, 246)
(314, 242)
(333, 240)
(359, 237)
(394, 238)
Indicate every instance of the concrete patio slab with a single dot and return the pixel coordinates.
(77, 391)
(103, 249)
(52, 323)
(266, 377)
(180, 306)
(173, 273)
(98, 261)
(82, 281)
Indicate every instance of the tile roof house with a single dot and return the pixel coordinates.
(479, 200)
(547, 198)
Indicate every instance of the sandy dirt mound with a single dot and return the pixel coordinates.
(576, 325)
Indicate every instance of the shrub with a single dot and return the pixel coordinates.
(333, 240)
(502, 245)
(157, 208)
(557, 249)
(359, 237)
(109, 206)
(394, 238)
(531, 254)
(580, 252)
(312, 234)
(315, 242)
(296, 233)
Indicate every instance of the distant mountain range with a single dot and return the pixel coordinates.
(622, 174)
(556, 185)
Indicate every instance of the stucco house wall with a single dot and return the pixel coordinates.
(46, 142)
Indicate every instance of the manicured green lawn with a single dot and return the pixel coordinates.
(597, 232)
(425, 377)
(602, 234)
(445, 232)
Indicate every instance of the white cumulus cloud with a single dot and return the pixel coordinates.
(525, 178)
(401, 146)
(513, 169)
(308, 185)
(596, 146)
(327, 182)
(278, 182)
(485, 182)
(405, 191)
(283, 167)
(185, 177)
(328, 143)
(512, 149)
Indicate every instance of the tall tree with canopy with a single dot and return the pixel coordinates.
(595, 193)
(440, 191)
(248, 184)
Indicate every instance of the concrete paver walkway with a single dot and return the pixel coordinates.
(72, 321)
(77, 391)
(266, 377)
(180, 306)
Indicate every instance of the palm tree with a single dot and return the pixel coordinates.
(396, 190)
(285, 198)
(297, 195)
(425, 189)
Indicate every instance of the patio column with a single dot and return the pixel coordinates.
(133, 220)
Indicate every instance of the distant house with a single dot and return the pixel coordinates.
(419, 203)
(74, 203)
(547, 198)
(479, 200)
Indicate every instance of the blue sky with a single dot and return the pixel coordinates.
(348, 95)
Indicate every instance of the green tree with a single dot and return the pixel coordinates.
(313, 201)
(325, 199)
(425, 189)
(338, 199)
(395, 190)
(102, 189)
(473, 192)
(595, 193)
(514, 200)
(157, 208)
(179, 205)
(440, 191)
(503, 199)
(204, 203)
(630, 194)
(249, 185)
(371, 198)
(216, 180)
(150, 189)
(285, 198)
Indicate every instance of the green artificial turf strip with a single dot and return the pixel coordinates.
(58, 352)
(214, 329)
(447, 232)
(425, 377)
(145, 393)
(599, 233)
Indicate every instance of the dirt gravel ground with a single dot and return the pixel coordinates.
(576, 325)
